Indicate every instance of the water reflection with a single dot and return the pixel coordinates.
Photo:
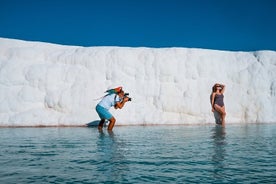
(219, 143)
(112, 162)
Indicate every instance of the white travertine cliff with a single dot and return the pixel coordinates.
(48, 84)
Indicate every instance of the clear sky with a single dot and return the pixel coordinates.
(238, 25)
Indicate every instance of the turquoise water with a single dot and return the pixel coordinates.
(139, 154)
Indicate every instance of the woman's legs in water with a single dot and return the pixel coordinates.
(222, 112)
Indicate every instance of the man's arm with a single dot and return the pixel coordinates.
(121, 104)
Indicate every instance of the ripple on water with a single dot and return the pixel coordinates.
(137, 154)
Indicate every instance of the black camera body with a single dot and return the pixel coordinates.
(126, 95)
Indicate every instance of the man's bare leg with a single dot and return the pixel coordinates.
(111, 124)
(100, 126)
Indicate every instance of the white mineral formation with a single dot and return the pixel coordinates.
(48, 84)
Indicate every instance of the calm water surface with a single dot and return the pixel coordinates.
(139, 154)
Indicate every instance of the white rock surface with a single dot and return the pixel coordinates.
(48, 84)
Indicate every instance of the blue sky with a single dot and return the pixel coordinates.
(238, 25)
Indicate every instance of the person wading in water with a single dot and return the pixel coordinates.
(116, 99)
(217, 101)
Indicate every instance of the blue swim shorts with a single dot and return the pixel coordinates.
(103, 112)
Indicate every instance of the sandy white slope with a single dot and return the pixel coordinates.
(48, 84)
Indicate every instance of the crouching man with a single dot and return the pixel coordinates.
(116, 100)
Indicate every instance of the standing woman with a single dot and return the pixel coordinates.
(217, 101)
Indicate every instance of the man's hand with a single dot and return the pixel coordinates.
(121, 104)
(125, 99)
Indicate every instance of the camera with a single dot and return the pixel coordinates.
(126, 95)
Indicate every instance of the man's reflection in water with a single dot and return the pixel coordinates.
(219, 140)
(112, 162)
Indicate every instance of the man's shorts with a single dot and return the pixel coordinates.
(103, 112)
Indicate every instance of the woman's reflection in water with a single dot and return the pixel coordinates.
(219, 144)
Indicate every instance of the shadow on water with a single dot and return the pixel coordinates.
(95, 123)
(218, 135)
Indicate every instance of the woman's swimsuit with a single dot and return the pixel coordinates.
(219, 100)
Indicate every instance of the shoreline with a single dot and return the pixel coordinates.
(142, 124)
